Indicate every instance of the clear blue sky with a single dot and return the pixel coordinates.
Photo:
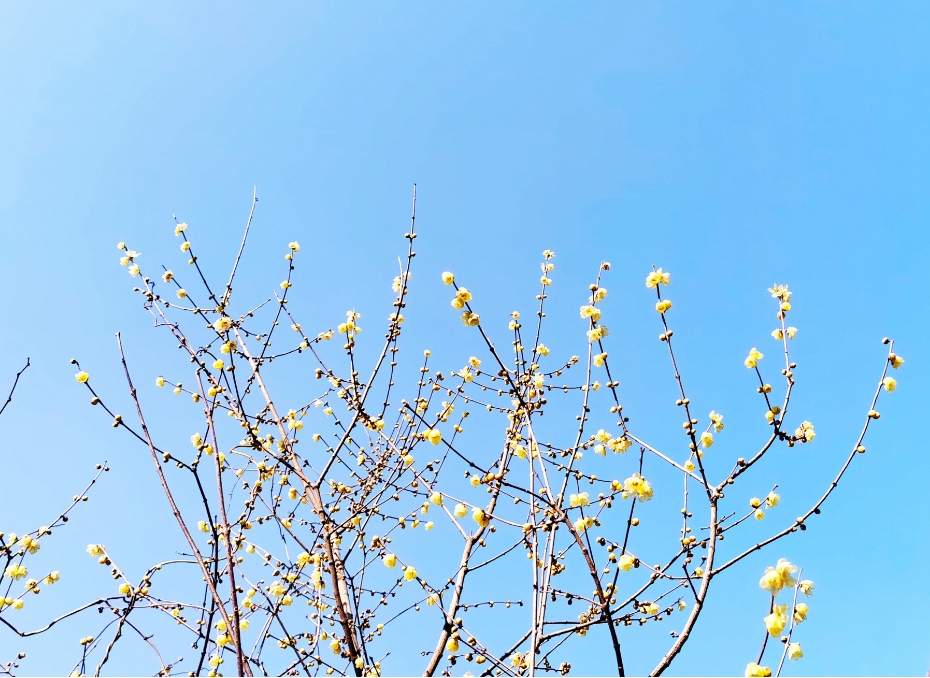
(735, 144)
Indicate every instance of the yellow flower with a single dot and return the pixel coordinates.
(410, 574)
(786, 569)
(759, 514)
(167, 276)
(753, 359)
(805, 432)
(599, 295)
(82, 377)
(599, 359)
(794, 651)
(460, 510)
(452, 645)
(583, 524)
(780, 292)
(222, 324)
(215, 660)
(771, 501)
(717, 419)
(30, 544)
(625, 562)
(800, 613)
(124, 589)
(597, 333)
(620, 445)
(807, 587)
(591, 312)
(778, 577)
(778, 334)
(133, 270)
(896, 360)
(294, 246)
(542, 350)
(203, 526)
(180, 228)
(16, 571)
(663, 305)
(434, 436)
(579, 499)
(707, 439)
(52, 578)
(889, 383)
(753, 670)
(480, 517)
(791, 332)
(654, 279)
(121, 246)
(18, 604)
(285, 285)
(771, 581)
(182, 294)
(470, 319)
(775, 622)
(447, 278)
(638, 486)
(218, 364)
(95, 549)
(689, 466)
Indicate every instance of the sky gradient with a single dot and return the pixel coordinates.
(736, 145)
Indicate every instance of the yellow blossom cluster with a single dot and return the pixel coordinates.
(778, 577)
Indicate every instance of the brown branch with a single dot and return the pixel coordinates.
(164, 484)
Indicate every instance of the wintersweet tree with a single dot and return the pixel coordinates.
(317, 551)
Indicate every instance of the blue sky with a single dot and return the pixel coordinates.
(735, 144)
